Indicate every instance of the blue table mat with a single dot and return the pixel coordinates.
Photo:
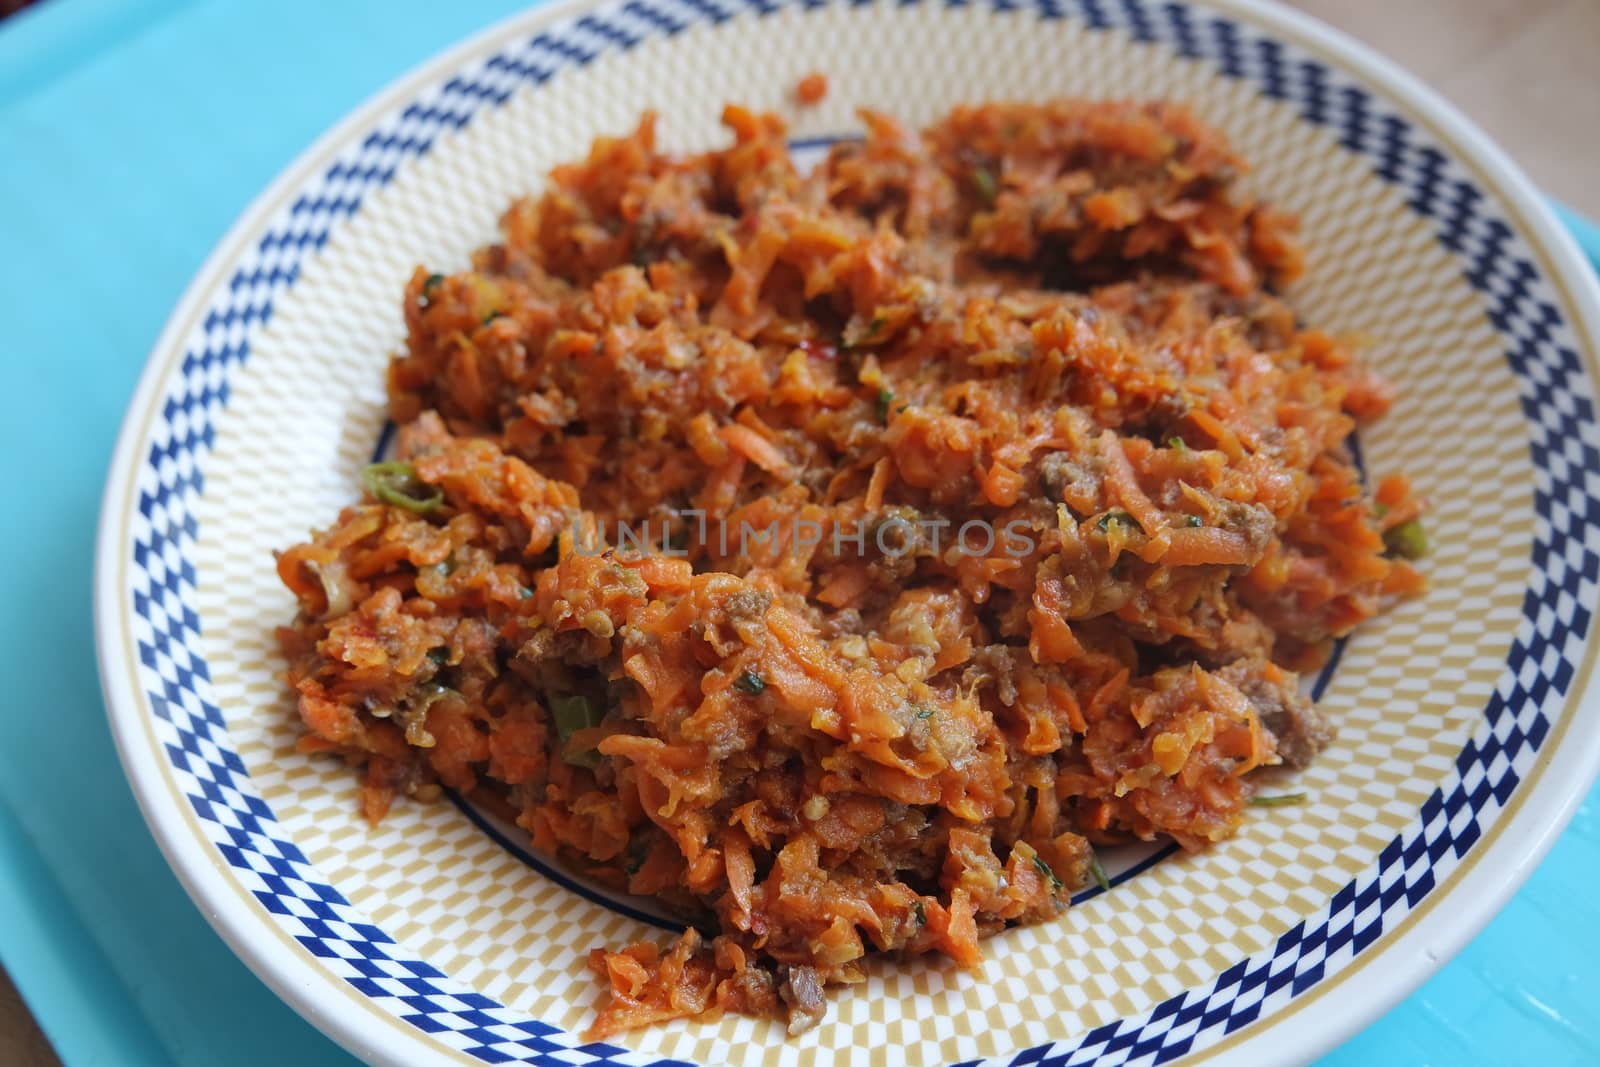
(131, 135)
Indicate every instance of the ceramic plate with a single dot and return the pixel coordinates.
(1468, 730)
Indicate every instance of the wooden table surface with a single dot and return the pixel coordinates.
(1524, 70)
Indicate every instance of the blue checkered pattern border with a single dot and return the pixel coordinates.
(1556, 397)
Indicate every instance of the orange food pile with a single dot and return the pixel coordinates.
(866, 730)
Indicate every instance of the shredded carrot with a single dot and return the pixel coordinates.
(845, 586)
(812, 88)
(1124, 485)
(760, 451)
(878, 485)
(1200, 547)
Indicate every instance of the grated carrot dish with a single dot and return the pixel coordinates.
(841, 557)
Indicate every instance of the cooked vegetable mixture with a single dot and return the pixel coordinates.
(841, 557)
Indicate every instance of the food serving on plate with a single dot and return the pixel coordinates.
(840, 557)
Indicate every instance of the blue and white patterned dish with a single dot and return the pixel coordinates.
(1468, 728)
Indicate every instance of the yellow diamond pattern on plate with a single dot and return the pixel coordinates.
(306, 411)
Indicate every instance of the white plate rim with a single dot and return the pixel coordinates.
(1566, 771)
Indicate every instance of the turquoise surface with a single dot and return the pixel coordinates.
(131, 135)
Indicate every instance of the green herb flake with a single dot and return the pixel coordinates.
(1408, 540)
(1045, 871)
(440, 655)
(750, 682)
(496, 314)
(433, 283)
(394, 482)
(854, 338)
(1178, 445)
(885, 399)
(1281, 801)
(920, 912)
(638, 852)
(1119, 518)
(983, 180)
(571, 714)
(524, 593)
(924, 711)
(1098, 872)
(1193, 520)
